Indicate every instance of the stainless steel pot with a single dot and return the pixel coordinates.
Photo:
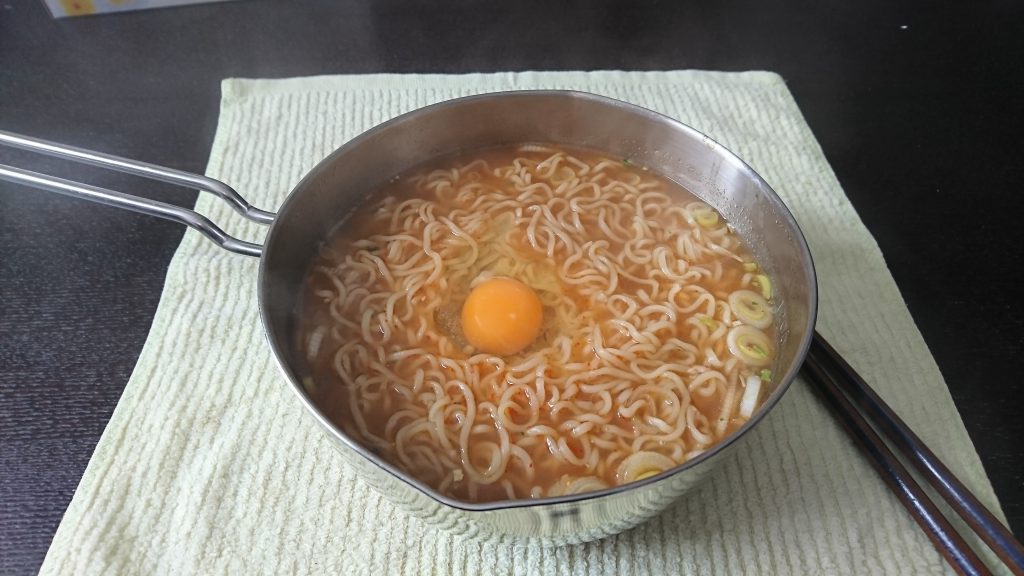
(339, 182)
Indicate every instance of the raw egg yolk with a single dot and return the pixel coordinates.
(501, 316)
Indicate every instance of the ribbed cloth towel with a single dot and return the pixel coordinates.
(210, 466)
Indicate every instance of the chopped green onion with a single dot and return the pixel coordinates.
(750, 345)
(627, 161)
(706, 219)
(765, 284)
(750, 266)
(751, 391)
(710, 322)
(766, 375)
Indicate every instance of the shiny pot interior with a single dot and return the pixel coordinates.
(343, 179)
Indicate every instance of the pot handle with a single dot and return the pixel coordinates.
(136, 203)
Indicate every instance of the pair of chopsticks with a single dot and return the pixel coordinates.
(854, 404)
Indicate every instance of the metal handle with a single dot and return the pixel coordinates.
(136, 203)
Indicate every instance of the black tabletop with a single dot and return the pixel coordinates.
(919, 112)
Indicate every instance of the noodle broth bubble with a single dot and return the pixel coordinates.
(533, 321)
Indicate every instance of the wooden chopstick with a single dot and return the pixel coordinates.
(945, 483)
(944, 537)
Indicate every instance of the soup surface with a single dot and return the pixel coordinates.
(535, 321)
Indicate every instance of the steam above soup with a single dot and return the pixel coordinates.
(535, 321)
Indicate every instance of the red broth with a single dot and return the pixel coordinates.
(655, 342)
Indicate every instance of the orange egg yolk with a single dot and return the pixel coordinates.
(501, 316)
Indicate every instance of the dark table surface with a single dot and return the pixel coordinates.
(919, 112)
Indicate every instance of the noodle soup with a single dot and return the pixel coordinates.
(535, 321)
